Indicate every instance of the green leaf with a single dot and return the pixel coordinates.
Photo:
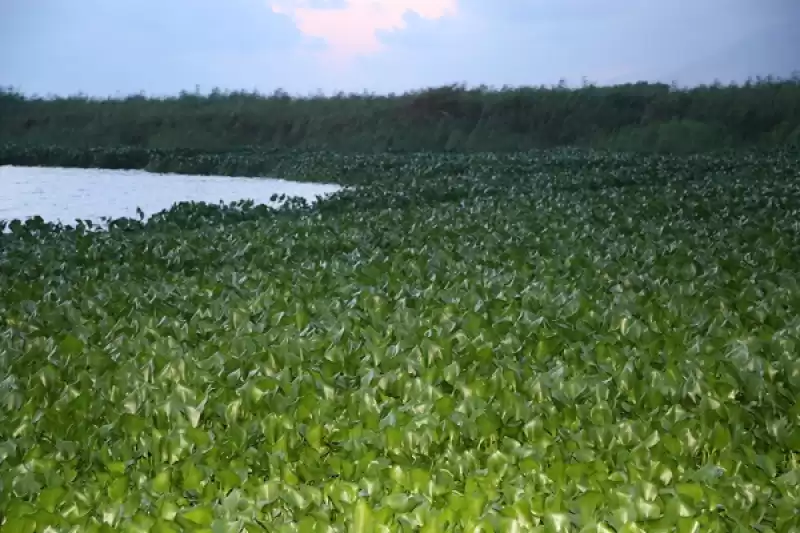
(19, 525)
(191, 477)
(161, 526)
(202, 516)
(691, 490)
(362, 518)
(118, 489)
(398, 502)
(71, 345)
(51, 497)
(162, 482)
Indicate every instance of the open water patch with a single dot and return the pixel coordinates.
(67, 194)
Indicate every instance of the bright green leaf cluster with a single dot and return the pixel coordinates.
(606, 344)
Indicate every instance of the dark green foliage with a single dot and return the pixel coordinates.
(362, 169)
(647, 117)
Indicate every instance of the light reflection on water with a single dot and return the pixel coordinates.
(66, 194)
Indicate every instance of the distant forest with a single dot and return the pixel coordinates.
(636, 117)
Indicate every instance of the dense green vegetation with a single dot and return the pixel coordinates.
(555, 342)
(644, 117)
(375, 169)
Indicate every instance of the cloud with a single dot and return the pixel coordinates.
(350, 27)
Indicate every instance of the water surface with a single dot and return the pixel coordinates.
(66, 194)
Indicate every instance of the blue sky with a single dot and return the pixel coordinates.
(111, 47)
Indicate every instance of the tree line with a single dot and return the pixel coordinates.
(638, 116)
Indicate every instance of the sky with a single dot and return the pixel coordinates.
(160, 47)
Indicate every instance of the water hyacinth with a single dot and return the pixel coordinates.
(560, 342)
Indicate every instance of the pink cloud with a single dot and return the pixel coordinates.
(351, 31)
